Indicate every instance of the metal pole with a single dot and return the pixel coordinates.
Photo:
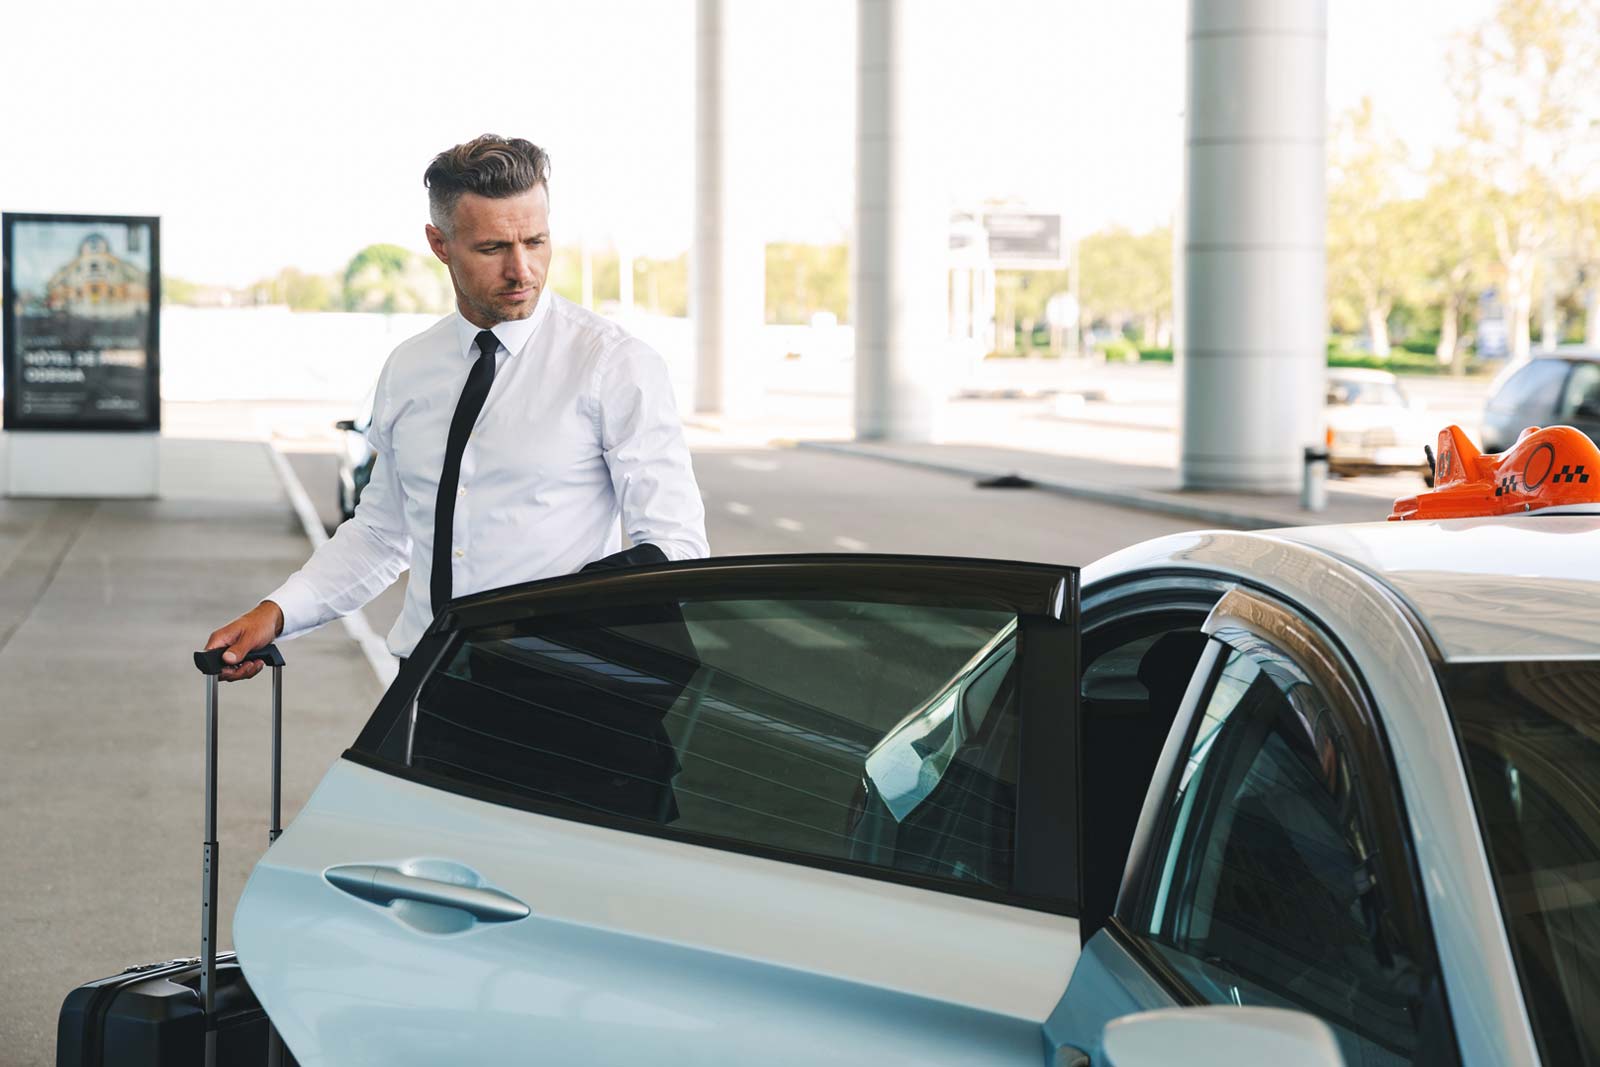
(208, 889)
(277, 756)
(1314, 479)
(274, 1042)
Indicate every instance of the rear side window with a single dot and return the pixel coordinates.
(884, 734)
(1269, 890)
(1535, 388)
(1581, 397)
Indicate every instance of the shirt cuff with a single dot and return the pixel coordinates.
(298, 605)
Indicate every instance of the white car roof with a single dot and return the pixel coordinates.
(1513, 587)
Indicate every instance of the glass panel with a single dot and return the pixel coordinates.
(1530, 734)
(880, 733)
(1267, 892)
(1535, 387)
(1582, 391)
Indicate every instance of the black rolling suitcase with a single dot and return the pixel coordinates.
(184, 1012)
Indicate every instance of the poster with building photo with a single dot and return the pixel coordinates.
(82, 320)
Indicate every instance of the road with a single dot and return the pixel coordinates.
(790, 500)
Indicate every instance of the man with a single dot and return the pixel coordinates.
(510, 437)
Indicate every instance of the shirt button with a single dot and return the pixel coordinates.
(461, 492)
(460, 552)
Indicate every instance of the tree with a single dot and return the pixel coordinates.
(1526, 88)
(804, 279)
(1124, 278)
(1454, 249)
(299, 291)
(392, 279)
(1370, 258)
(662, 285)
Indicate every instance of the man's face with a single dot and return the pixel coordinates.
(498, 252)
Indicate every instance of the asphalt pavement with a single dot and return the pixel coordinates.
(102, 724)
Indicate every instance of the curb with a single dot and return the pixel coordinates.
(355, 624)
(1142, 499)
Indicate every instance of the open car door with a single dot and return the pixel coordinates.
(789, 809)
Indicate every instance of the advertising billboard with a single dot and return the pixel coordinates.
(82, 319)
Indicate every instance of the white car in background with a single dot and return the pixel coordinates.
(1372, 420)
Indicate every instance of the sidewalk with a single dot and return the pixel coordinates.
(1152, 488)
(102, 724)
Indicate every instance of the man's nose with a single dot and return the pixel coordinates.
(519, 264)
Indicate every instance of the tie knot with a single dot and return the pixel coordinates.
(487, 343)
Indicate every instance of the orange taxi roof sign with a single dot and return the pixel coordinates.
(1545, 468)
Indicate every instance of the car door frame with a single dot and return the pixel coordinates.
(1044, 597)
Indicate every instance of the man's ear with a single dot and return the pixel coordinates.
(436, 242)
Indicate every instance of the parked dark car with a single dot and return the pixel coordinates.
(1559, 388)
(355, 461)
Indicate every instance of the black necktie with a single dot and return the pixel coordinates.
(473, 394)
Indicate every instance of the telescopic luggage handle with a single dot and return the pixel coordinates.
(210, 664)
(210, 661)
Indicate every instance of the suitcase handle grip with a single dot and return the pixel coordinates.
(210, 661)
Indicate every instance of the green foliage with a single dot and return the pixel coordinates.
(1125, 277)
(1155, 355)
(390, 279)
(177, 291)
(1120, 350)
(299, 291)
(804, 279)
(1030, 290)
(662, 285)
(1399, 361)
(566, 273)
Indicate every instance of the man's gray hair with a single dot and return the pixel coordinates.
(496, 167)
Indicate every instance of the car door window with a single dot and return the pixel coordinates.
(1266, 887)
(883, 734)
(1582, 391)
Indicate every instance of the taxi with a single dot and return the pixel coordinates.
(1312, 796)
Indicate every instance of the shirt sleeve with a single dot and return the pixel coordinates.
(644, 449)
(365, 554)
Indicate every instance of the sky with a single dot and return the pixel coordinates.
(295, 133)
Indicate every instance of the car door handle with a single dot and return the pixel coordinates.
(385, 885)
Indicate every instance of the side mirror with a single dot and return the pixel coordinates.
(348, 425)
(1221, 1036)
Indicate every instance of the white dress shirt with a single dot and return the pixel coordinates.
(578, 432)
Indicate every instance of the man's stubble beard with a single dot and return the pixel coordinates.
(493, 315)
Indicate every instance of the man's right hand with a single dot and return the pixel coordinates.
(250, 631)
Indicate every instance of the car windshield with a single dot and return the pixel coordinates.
(1530, 737)
(1344, 393)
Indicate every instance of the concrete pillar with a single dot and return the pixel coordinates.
(901, 249)
(1254, 321)
(727, 265)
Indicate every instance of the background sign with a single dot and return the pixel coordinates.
(82, 319)
(1024, 240)
(1010, 239)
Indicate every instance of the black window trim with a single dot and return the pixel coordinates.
(1395, 850)
(1044, 597)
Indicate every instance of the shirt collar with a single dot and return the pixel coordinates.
(513, 334)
